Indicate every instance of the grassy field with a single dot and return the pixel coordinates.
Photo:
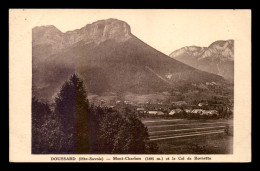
(181, 136)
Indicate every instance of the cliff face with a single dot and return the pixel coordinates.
(192, 51)
(48, 40)
(221, 50)
(218, 58)
(97, 32)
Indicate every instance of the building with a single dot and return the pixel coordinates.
(140, 110)
(175, 111)
(202, 104)
(102, 102)
(187, 110)
(155, 113)
(210, 112)
(197, 111)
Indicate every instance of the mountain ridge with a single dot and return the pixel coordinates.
(217, 58)
(96, 31)
(109, 59)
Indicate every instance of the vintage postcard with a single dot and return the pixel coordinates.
(127, 85)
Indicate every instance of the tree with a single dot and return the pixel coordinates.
(132, 137)
(110, 125)
(71, 106)
(47, 134)
(124, 134)
(39, 112)
(113, 132)
(73, 127)
(52, 139)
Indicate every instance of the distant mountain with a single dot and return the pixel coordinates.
(109, 58)
(218, 58)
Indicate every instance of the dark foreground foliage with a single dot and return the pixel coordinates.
(75, 128)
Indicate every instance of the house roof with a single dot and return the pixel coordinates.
(140, 108)
(197, 110)
(155, 112)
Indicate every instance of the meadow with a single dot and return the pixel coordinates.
(182, 136)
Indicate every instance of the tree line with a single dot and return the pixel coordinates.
(76, 127)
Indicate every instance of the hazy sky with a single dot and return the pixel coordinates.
(165, 30)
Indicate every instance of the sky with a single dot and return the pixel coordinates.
(164, 30)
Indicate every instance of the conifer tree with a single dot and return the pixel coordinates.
(71, 105)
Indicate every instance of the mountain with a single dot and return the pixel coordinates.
(109, 58)
(218, 58)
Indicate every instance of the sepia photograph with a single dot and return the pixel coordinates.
(136, 85)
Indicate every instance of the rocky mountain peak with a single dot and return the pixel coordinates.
(46, 35)
(96, 32)
(223, 50)
(193, 51)
(99, 31)
(46, 29)
(108, 29)
(217, 58)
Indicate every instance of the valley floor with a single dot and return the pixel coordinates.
(182, 136)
